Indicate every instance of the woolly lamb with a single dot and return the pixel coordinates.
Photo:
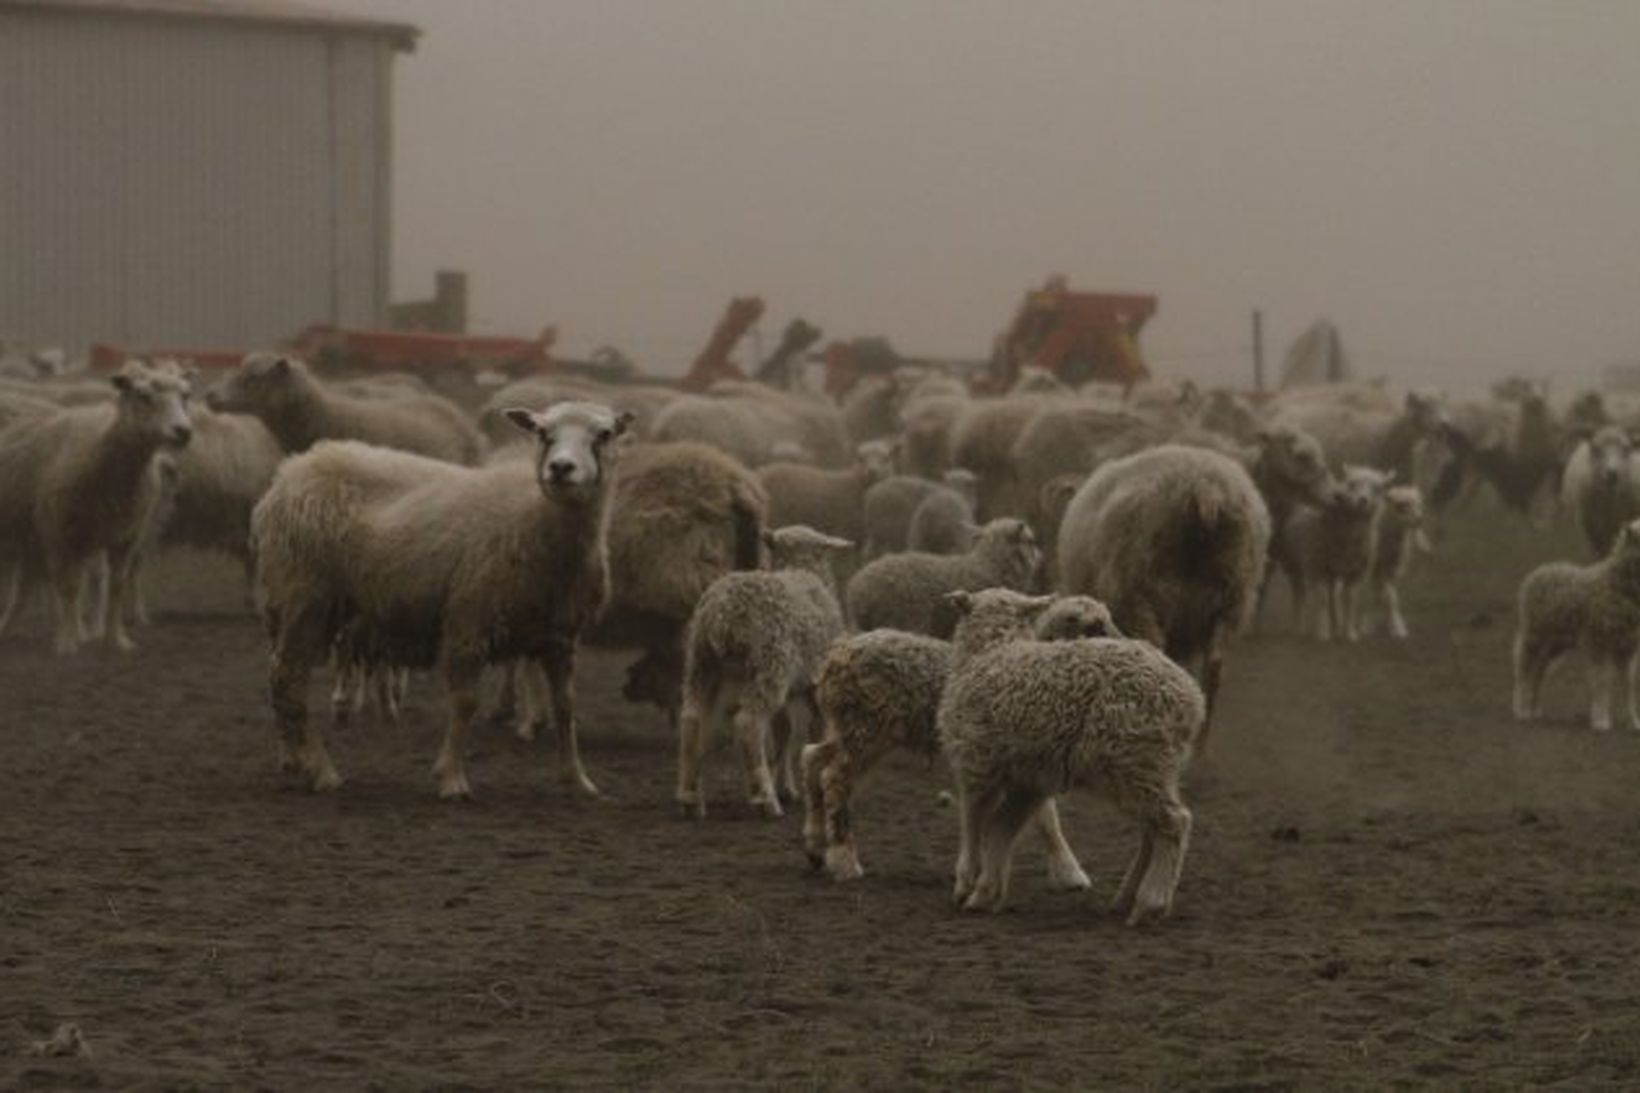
(1331, 545)
(751, 652)
(1595, 608)
(907, 591)
(300, 410)
(1174, 539)
(943, 522)
(1398, 531)
(1601, 486)
(880, 691)
(76, 489)
(1022, 721)
(830, 501)
(887, 508)
(423, 562)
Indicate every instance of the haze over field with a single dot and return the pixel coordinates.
(1456, 183)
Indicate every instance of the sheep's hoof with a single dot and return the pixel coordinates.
(122, 644)
(1148, 908)
(769, 806)
(843, 865)
(1068, 877)
(327, 780)
(454, 787)
(1600, 725)
(691, 806)
(981, 900)
(584, 784)
(525, 730)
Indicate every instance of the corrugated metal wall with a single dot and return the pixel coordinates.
(189, 183)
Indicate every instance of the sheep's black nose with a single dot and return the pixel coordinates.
(179, 435)
(561, 469)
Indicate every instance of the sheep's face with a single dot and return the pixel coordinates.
(154, 402)
(1013, 540)
(1424, 410)
(1360, 490)
(992, 616)
(1072, 617)
(965, 482)
(575, 445)
(1404, 506)
(878, 457)
(1609, 451)
(801, 547)
(263, 383)
(1295, 458)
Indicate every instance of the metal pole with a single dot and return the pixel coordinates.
(1258, 350)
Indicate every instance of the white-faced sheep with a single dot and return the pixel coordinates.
(1331, 545)
(751, 653)
(1398, 532)
(300, 411)
(1023, 721)
(1595, 608)
(880, 691)
(1174, 540)
(943, 522)
(907, 591)
(428, 563)
(76, 490)
(1601, 486)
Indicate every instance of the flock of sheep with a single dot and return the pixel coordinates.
(1041, 586)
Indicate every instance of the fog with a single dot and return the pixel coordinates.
(1456, 184)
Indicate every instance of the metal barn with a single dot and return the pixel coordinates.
(192, 172)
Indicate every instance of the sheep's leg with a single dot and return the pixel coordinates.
(1299, 592)
(1602, 677)
(1532, 664)
(816, 760)
(122, 575)
(1633, 682)
(1352, 622)
(1330, 624)
(533, 700)
(1064, 871)
(786, 745)
(301, 749)
(559, 664)
(398, 693)
(1392, 605)
(65, 600)
(1002, 825)
(751, 734)
(92, 605)
(691, 794)
(461, 678)
(341, 691)
(1169, 823)
(1125, 895)
(974, 802)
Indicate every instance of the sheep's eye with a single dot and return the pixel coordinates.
(605, 435)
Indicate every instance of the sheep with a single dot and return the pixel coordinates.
(1174, 539)
(748, 420)
(982, 441)
(15, 407)
(299, 411)
(943, 522)
(425, 563)
(928, 421)
(881, 690)
(1601, 486)
(1594, 607)
(831, 501)
(1383, 439)
(752, 650)
(645, 401)
(886, 511)
(76, 488)
(906, 591)
(1332, 544)
(1398, 531)
(1022, 721)
(221, 476)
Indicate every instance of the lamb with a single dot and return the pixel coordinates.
(943, 522)
(752, 651)
(1332, 544)
(1398, 531)
(982, 441)
(830, 501)
(1174, 539)
(887, 508)
(881, 690)
(423, 562)
(1595, 608)
(907, 591)
(1601, 486)
(76, 488)
(1022, 721)
(300, 411)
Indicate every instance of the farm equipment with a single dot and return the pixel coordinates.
(1078, 336)
(713, 363)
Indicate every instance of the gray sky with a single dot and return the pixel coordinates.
(1455, 182)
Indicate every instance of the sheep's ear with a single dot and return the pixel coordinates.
(960, 603)
(768, 538)
(524, 419)
(279, 367)
(623, 422)
(832, 542)
(1021, 532)
(122, 382)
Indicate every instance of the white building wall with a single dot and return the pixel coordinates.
(177, 182)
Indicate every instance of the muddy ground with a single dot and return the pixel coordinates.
(1390, 882)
